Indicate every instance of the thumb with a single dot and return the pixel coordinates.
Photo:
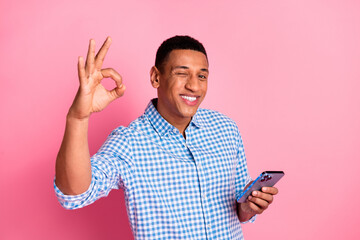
(117, 92)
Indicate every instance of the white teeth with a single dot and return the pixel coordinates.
(191, 99)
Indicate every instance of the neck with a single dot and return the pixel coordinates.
(181, 123)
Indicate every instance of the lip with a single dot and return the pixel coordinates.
(189, 103)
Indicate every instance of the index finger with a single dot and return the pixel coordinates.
(270, 190)
(100, 56)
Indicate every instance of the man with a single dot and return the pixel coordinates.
(180, 166)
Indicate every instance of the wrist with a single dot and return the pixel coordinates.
(73, 116)
(243, 212)
(75, 122)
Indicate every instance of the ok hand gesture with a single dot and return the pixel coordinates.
(92, 96)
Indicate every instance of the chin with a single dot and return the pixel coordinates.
(189, 114)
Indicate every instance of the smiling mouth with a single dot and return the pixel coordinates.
(191, 99)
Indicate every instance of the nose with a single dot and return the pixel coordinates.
(192, 83)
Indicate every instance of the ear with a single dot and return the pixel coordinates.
(155, 77)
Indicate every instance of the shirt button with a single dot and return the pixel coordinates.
(209, 226)
(175, 131)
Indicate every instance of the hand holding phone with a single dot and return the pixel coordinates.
(265, 179)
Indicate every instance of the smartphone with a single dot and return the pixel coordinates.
(265, 179)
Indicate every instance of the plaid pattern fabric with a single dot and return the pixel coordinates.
(175, 188)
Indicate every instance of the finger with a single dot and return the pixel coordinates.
(261, 203)
(100, 56)
(270, 190)
(255, 208)
(117, 92)
(90, 59)
(111, 73)
(120, 88)
(81, 70)
(265, 196)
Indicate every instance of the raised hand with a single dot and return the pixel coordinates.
(92, 96)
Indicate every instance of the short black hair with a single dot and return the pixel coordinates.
(176, 42)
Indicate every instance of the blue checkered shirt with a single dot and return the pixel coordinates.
(175, 188)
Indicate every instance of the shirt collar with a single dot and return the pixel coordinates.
(162, 126)
(197, 120)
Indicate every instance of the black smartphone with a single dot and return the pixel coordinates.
(265, 179)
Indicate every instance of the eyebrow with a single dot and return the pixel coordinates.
(186, 67)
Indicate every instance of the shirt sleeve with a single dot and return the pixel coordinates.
(242, 174)
(110, 168)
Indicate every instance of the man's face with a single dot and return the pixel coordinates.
(182, 85)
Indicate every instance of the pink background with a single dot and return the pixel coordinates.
(286, 71)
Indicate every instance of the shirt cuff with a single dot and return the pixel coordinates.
(72, 201)
(251, 220)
